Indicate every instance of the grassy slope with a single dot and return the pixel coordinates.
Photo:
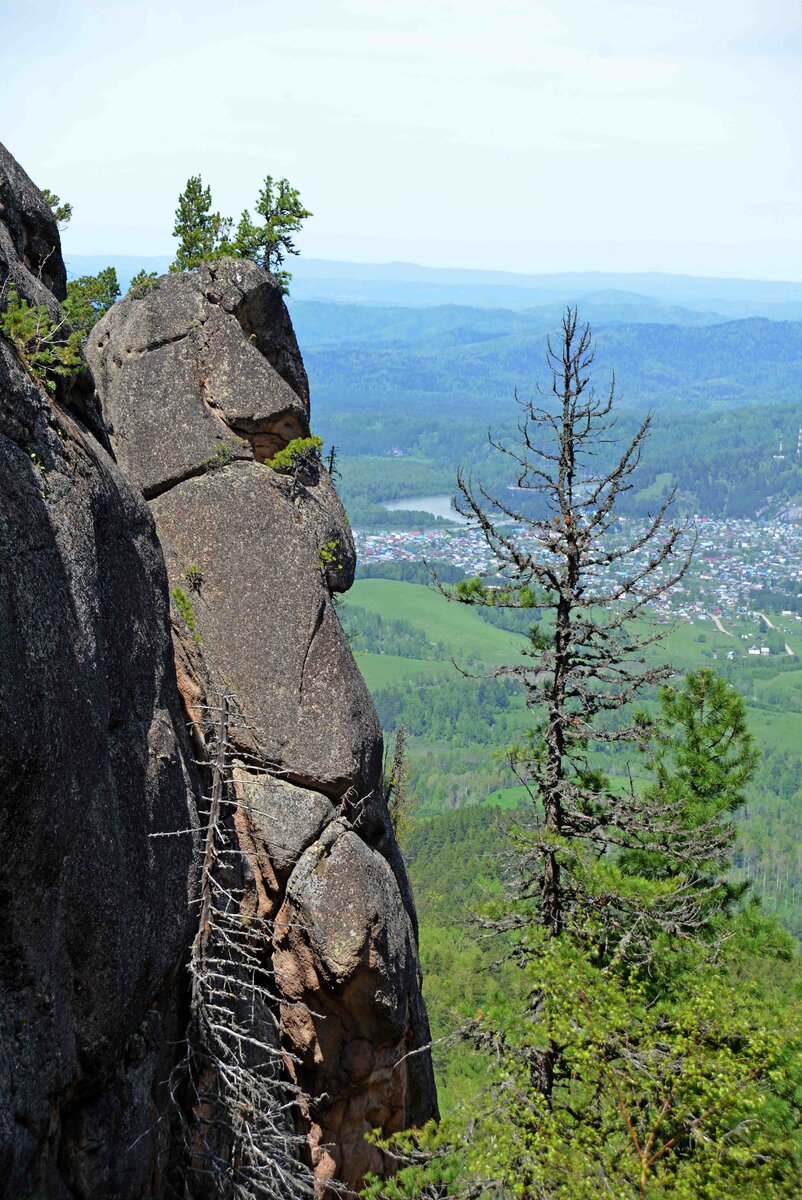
(472, 642)
(457, 627)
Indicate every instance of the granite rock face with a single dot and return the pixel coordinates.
(184, 378)
(94, 760)
(201, 380)
(30, 249)
(104, 715)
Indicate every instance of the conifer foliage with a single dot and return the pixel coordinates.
(581, 680)
(199, 230)
(204, 235)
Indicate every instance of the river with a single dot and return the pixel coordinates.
(438, 506)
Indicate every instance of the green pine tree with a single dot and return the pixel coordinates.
(268, 243)
(61, 209)
(202, 234)
(704, 757)
(89, 297)
(205, 235)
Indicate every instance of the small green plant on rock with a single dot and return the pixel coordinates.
(328, 555)
(300, 459)
(39, 463)
(142, 283)
(223, 455)
(42, 343)
(184, 606)
(297, 451)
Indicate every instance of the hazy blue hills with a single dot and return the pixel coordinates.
(646, 296)
(406, 391)
(461, 358)
(408, 284)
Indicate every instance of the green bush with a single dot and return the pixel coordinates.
(294, 453)
(89, 297)
(42, 343)
(142, 283)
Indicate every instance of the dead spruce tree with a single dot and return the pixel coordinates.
(239, 1111)
(561, 551)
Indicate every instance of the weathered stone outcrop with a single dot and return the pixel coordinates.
(102, 716)
(94, 760)
(200, 380)
(195, 376)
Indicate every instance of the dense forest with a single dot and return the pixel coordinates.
(738, 462)
(464, 853)
(722, 464)
(434, 358)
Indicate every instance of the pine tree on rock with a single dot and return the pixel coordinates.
(205, 235)
(279, 204)
(200, 231)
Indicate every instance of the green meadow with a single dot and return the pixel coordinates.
(459, 724)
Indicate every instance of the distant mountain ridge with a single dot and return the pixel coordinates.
(463, 360)
(408, 284)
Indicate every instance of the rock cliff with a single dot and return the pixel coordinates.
(200, 380)
(93, 760)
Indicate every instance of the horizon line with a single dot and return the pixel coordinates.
(500, 271)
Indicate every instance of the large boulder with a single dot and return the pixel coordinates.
(263, 616)
(186, 381)
(94, 764)
(201, 380)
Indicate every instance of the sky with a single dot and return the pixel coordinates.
(522, 135)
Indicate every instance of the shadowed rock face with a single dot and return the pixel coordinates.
(30, 248)
(200, 380)
(93, 761)
(31, 264)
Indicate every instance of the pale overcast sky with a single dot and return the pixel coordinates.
(530, 135)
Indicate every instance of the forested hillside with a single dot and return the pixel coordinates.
(462, 857)
(468, 357)
(422, 386)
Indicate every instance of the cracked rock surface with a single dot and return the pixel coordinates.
(94, 760)
(201, 379)
(186, 381)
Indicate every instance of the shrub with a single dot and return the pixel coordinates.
(42, 343)
(142, 283)
(296, 453)
(184, 606)
(89, 297)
